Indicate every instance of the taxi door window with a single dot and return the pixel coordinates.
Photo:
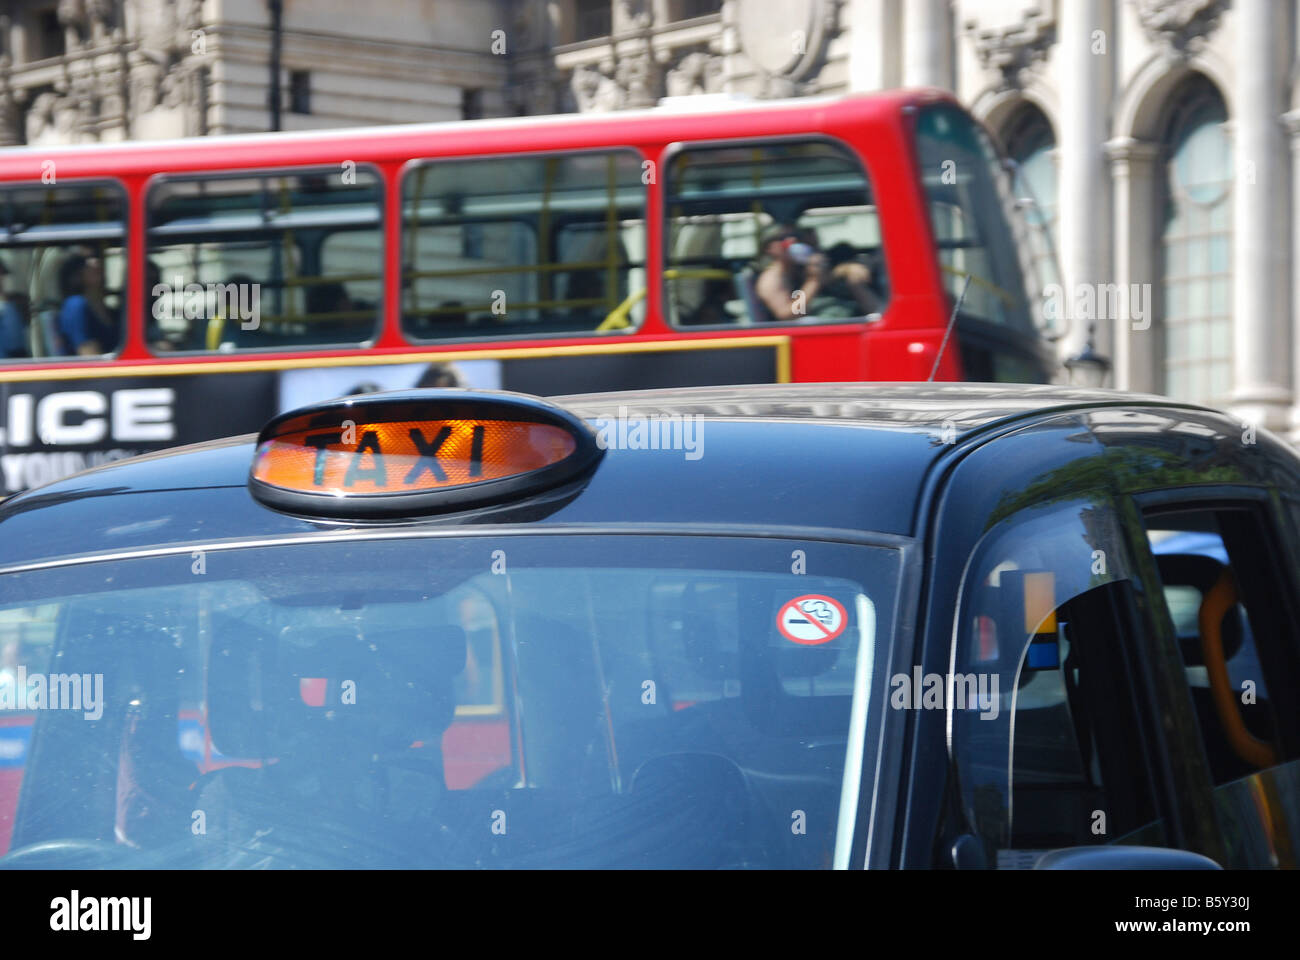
(1228, 600)
(1044, 708)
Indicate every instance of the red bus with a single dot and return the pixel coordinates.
(163, 293)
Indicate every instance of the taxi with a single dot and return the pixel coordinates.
(799, 626)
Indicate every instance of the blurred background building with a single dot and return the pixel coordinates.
(1161, 138)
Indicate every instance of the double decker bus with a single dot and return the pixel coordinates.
(162, 293)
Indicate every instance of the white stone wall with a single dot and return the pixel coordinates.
(395, 61)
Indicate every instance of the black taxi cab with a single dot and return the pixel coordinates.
(804, 626)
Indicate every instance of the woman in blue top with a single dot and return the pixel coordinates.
(13, 330)
(85, 324)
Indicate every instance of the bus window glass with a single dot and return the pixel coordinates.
(268, 261)
(523, 245)
(62, 270)
(771, 232)
(968, 213)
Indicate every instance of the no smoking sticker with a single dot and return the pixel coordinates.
(811, 619)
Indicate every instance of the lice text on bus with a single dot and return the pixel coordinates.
(89, 416)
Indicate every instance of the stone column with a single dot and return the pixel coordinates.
(1085, 231)
(1293, 132)
(927, 44)
(1134, 172)
(875, 26)
(1261, 337)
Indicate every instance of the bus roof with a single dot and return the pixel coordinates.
(464, 137)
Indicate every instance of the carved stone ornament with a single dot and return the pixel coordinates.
(594, 90)
(1014, 47)
(696, 72)
(639, 76)
(1180, 26)
(784, 39)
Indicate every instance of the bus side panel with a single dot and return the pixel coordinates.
(54, 428)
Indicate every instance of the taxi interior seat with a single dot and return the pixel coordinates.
(1201, 573)
(788, 749)
(315, 761)
(677, 806)
(1070, 754)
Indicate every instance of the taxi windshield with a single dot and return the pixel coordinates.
(439, 700)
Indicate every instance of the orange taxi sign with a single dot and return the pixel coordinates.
(410, 451)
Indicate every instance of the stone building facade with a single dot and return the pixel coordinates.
(1161, 138)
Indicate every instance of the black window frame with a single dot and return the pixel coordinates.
(1275, 604)
(1186, 735)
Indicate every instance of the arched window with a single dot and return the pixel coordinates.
(1031, 144)
(1196, 244)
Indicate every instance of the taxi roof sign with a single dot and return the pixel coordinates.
(410, 453)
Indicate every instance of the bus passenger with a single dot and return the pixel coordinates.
(84, 322)
(801, 281)
(851, 280)
(13, 331)
(793, 267)
(333, 298)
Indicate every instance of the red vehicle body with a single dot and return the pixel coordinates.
(928, 197)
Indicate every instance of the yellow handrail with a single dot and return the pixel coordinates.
(611, 230)
(412, 291)
(997, 291)
(617, 319)
(286, 248)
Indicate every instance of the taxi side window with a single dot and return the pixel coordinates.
(1046, 751)
(1227, 599)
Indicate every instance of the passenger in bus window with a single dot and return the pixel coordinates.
(793, 276)
(832, 285)
(584, 285)
(333, 298)
(713, 308)
(85, 323)
(13, 329)
(851, 280)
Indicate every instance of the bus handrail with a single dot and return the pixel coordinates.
(617, 319)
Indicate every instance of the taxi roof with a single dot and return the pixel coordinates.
(830, 459)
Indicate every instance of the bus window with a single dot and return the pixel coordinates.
(272, 260)
(508, 246)
(766, 232)
(62, 270)
(968, 213)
